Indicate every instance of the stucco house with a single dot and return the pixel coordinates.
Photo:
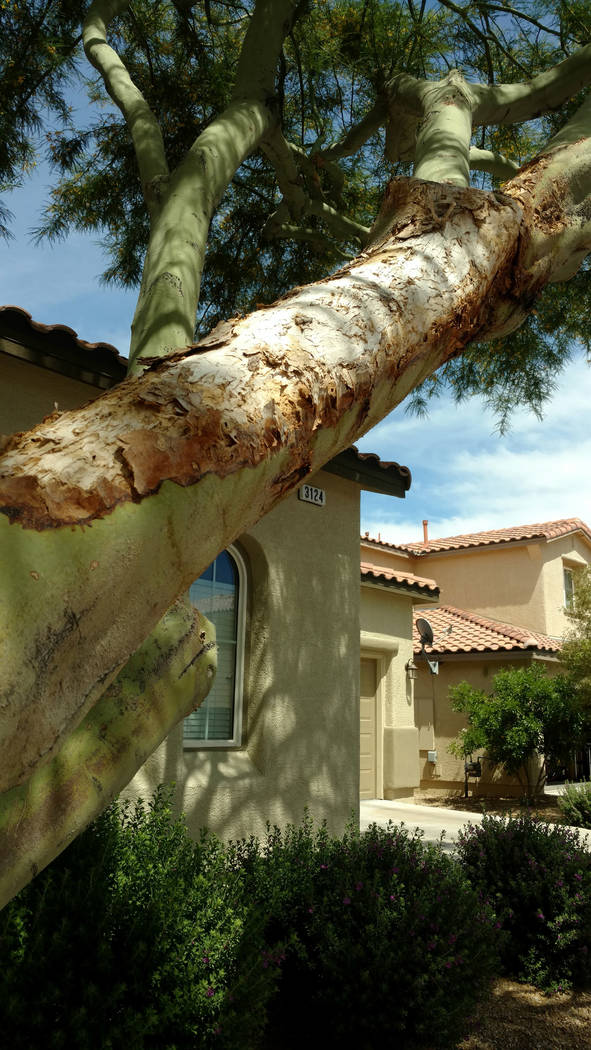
(502, 600)
(280, 730)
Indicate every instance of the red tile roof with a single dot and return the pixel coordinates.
(471, 633)
(16, 323)
(547, 530)
(392, 578)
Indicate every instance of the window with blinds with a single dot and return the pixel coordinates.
(217, 594)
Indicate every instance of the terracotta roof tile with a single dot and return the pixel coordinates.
(391, 577)
(60, 341)
(471, 633)
(547, 530)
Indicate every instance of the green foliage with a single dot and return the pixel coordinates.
(576, 651)
(332, 70)
(575, 804)
(379, 938)
(134, 937)
(137, 938)
(39, 45)
(538, 878)
(527, 714)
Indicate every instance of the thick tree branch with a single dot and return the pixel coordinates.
(143, 126)
(514, 103)
(200, 446)
(171, 281)
(558, 185)
(270, 23)
(167, 678)
(495, 164)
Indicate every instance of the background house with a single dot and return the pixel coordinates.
(281, 729)
(504, 594)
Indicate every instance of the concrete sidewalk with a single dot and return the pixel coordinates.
(431, 820)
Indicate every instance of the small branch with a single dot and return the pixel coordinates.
(340, 225)
(280, 155)
(315, 237)
(494, 163)
(514, 103)
(358, 135)
(143, 126)
(505, 9)
(296, 202)
(477, 32)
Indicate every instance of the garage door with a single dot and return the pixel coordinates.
(368, 729)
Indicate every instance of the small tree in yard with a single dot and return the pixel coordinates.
(529, 720)
(421, 173)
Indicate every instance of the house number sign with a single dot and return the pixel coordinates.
(310, 494)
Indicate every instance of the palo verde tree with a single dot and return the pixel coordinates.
(470, 122)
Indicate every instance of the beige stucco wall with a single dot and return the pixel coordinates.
(504, 583)
(386, 634)
(301, 689)
(397, 561)
(521, 584)
(567, 552)
(30, 393)
(439, 725)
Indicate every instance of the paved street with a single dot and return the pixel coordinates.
(432, 820)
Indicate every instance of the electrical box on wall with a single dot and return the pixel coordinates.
(431, 756)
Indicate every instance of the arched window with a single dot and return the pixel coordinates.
(219, 594)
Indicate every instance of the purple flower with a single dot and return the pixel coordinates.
(359, 886)
(346, 900)
(210, 992)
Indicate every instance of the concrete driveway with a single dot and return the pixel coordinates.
(431, 820)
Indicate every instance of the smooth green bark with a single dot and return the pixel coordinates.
(165, 679)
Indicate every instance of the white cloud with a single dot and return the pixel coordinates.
(466, 478)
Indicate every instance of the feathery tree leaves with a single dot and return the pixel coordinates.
(334, 67)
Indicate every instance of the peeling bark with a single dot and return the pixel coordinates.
(143, 488)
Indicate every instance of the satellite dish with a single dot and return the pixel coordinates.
(425, 631)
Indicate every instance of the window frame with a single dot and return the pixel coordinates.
(569, 601)
(235, 741)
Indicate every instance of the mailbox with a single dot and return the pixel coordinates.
(473, 769)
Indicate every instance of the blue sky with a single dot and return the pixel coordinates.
(465, 477)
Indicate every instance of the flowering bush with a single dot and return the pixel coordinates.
(576, 804)
(539, 879)
(135, 938)
(380, 938)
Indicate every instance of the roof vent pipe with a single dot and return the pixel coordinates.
(425, 530)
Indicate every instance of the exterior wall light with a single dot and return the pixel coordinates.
(411, 669)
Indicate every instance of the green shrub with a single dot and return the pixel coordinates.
(135, 938)
(538, 878)
(379, 939)
(576, 805)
